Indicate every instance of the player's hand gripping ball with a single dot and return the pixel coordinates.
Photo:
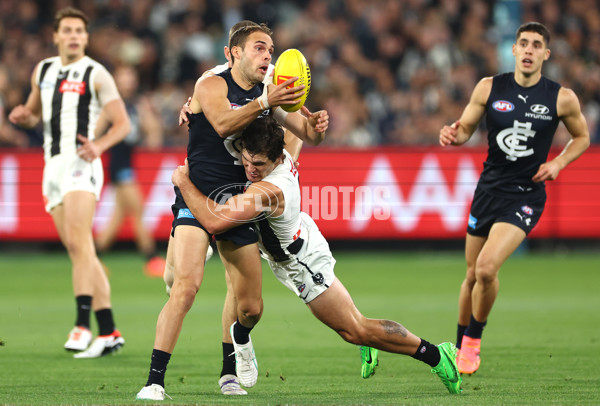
(289, 64)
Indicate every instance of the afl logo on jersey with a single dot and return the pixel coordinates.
(503, 106)
(539, 109)
(527, 210)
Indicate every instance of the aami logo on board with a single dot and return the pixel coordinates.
(503, 106)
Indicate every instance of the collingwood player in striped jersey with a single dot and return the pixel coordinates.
(297, 252)
(522, 109)
(68, 92)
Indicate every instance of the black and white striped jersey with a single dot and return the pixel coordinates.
(70, 101)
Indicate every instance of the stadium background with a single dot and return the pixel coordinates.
(390, 73)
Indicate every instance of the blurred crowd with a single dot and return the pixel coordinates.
(390, 72)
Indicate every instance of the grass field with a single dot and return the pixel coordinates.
(541, 346)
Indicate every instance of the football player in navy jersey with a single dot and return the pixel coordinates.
(522, 109)
(222, 106)
(228, 381)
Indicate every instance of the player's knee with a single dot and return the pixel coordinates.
(486, 270)
(251, 311)
(353, 336)
(183, 295)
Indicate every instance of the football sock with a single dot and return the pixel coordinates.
(106, 325)
(158, 367)
(428, 353)
(228, 359)
(475, 329)
(460, 332)
(84, 307)
(241, 333)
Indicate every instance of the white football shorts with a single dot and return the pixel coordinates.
(310, 272)
(67, 173)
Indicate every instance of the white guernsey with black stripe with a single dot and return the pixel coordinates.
(70, 103)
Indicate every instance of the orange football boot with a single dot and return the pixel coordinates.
(468, 359)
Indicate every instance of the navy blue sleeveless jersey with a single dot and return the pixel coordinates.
(521, 123)
(215, 163)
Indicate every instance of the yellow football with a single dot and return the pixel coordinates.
(289, 64)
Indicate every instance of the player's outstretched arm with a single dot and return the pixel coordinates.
(309, 127)
(569, 111)
(241, 208)
(461, 130)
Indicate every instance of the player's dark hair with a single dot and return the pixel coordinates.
(535, 27)
(240, 24)
(69, 12)
(264, 136)
(240, 36)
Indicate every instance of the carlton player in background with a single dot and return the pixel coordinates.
(523, 109)
(68, 92)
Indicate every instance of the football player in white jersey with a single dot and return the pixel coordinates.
(68, 92)
(298, 253)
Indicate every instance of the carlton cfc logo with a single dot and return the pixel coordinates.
(503, 106)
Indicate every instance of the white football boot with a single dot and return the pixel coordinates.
(246, 366)
(152, 392)
(103, 345)
(230, 385)
(79, 339)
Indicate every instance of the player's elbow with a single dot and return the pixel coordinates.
(223, 129)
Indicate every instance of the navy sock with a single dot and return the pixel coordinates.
(105, 320)
(84, 307)
(475, 329)
(460, 332)
(158, 367)
(428, 353)
(228, 360)
(241, 333)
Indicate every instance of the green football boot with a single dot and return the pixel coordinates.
(446, 369)
(369, 360)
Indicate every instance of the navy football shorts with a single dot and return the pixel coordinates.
(486, 209)
(244, 234)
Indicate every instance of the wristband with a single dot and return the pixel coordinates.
(263, 102)
(279, 115)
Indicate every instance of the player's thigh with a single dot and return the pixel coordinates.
(79, 207)
(244, 268)
(335, 308)
(503, 240)
(188, 247)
